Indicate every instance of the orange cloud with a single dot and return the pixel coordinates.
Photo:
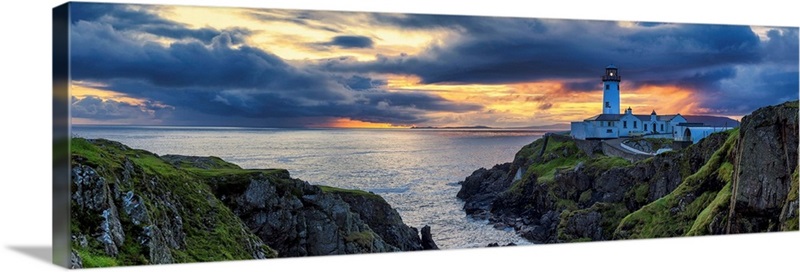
(662, 99)
(543, 102)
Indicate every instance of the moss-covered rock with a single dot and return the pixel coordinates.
(133, 207)
(676, 213)
(137, 209)
(384, 220)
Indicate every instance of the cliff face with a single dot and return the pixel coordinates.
(557, 190)
(132, 207)
(765, 178)
(299, 219)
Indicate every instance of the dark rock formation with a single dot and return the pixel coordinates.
(482, 187)
(498, 245)
(766, 158)
(133, 207)
(299, 219)
(382, 218)
(559, 190)
(427, 239)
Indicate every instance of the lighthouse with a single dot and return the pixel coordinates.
(611, 81)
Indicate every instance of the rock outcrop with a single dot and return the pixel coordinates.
(427, 239)
(132, 207)
(382, 218)
(561, 190)
(765, 164)
(299, 219)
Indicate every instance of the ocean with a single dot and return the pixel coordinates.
(416, 170)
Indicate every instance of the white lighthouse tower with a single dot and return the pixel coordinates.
(611, 81)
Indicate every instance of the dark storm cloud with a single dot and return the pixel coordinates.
(427, 21)
(700, 80)
(144, 19)
(101, 53)
(235, 82)
(122, 16)
(513, 50)
(374, 106)
(351, 42)
(518, 50)
(318, 20)
(361, 83)
(212, 73)
(782, 46)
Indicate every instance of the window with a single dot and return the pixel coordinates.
(624, 124)
(634, 124)
(645, 126)
(608, 131)
(608, 105)
(609, 124)
(662, 127)
(606, 86)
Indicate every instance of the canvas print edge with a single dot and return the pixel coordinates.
(54, 159)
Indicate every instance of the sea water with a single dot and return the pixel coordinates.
(416, 170)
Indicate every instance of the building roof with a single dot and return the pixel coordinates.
(691, 120)
(611, 66)
(667, 117)
(712, 121)
(605, 117)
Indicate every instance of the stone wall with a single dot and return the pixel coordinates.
(610, 150)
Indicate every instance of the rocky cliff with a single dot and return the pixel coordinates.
(556, 190)
(132, 207)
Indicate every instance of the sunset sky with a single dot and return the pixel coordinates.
(179, 65)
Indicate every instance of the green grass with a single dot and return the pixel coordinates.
(92, 154)
(600, 164)
(363, 238)
(559, 154)
(201, 163)
(611, 214)
(717, 207)
(153, 165)
(639, 193)
(545, 172)
(93, 259)
(585, 196)
(790, 104)
(565, 204)
(792, 223)
(336, 190)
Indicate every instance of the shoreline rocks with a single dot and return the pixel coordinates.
(133, 207)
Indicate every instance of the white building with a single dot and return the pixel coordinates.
(611, 124)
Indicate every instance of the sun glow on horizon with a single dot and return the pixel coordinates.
(350, 123)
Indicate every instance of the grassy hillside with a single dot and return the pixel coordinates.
(173, 200)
